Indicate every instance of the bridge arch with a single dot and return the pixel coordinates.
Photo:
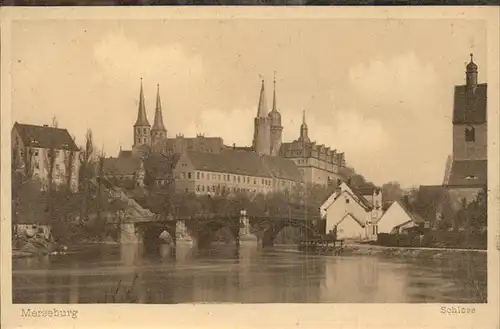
(207, 230)
(153, 235)
(276, 226)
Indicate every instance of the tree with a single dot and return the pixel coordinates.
(69, 164)
(391, 192)
(477, 212)
(86, 173)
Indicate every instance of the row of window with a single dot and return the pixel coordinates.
(227, 178)
(221, 189)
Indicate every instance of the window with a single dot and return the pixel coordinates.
(238, 179)
(187, 190)
(145, 130)
(36, 153)
(189, 175)
(37, 166)
(213, 188)
(197, 188)
(183, 175)
(197, 175)
(202, 175)
(57, 166)
(470, 134)
(234, 178)
(203, 188)
(255, 181)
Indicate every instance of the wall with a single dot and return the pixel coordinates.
(128, 233)
(348, 228)
(395, 215)
(216, 181)
(339, 208)
(463, 150)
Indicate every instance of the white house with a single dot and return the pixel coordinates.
(397, 219)
(350, 214)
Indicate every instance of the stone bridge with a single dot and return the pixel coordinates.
(201, 230)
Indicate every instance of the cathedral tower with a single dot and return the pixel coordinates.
(142, 128)
(276, 127)
(158, 132)
(262, 126)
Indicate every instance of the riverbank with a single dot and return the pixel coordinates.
(407, 252)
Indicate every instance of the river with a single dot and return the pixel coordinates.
(222, 274)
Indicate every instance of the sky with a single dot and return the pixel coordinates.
(379, 90)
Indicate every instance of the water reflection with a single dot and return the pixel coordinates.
(248, 274)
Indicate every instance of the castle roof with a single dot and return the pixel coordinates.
(470, 109)
(468, 173)
(158, 121)
(262, 109)
(142, 119)
(45, 137)
(160, 166)
(124, 166)
(282, 168)
(245, 163)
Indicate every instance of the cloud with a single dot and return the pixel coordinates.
(234, 126)
(125, 58)
(402, 79)
(406, 95)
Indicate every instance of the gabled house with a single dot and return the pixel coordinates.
(399, 219)
(349, 215)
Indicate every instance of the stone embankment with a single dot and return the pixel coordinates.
(407, 252)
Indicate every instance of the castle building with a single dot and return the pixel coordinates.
(466, 170)
(313, 163)
(318, 164)
(45, 153)
(233, 171)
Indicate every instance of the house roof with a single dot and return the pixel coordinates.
(468, 173)
(121, 166)
(45, 137)
(159, 165)
(335, 195)
(468, 110)
(282, 168)
(365, 189)
(230, 161)
(125, 154)
(411, 214)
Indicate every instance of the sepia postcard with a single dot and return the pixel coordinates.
(257, 167)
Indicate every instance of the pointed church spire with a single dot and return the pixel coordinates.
(274, 92)
(262, 110)
(304, 136)
(142, 119)
(158, 121)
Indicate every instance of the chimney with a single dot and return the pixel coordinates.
(45, 125)
(234, 146)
